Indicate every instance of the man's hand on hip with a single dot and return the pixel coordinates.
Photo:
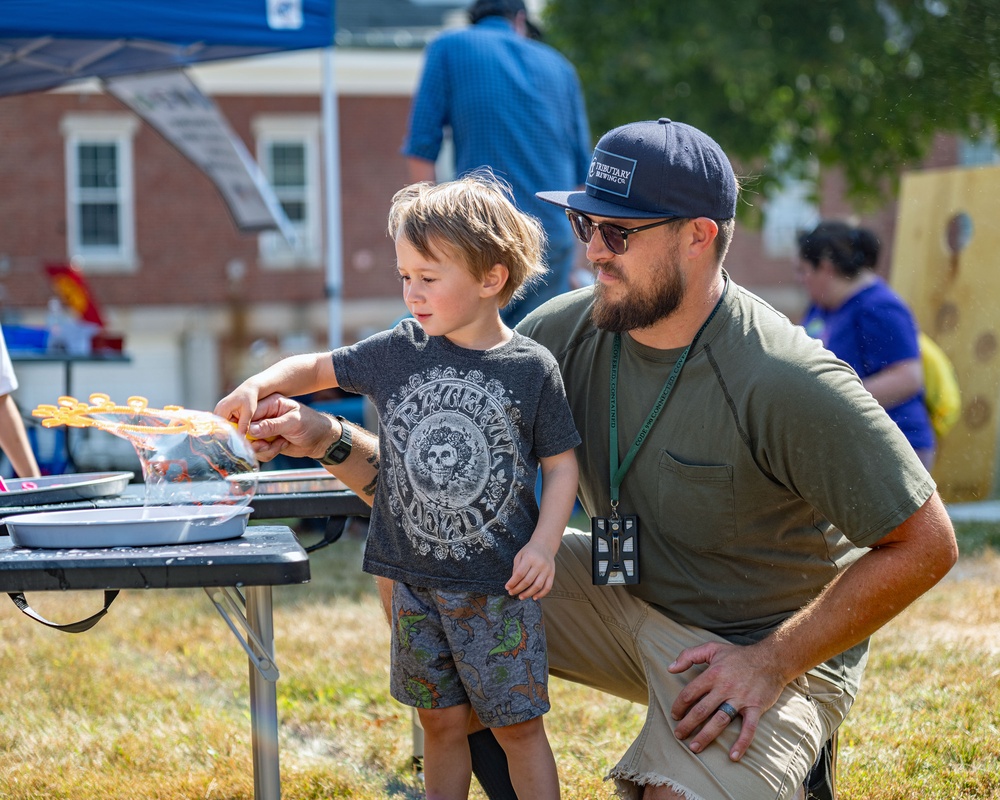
(737, 682)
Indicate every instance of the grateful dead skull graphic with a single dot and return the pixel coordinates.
(455, 462)
(447, 453)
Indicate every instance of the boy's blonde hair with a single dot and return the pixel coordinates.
(475, 219)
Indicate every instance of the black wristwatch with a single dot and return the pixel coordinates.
(341, 448)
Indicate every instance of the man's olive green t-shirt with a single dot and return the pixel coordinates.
(768, 471)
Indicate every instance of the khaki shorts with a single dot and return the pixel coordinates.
(603, 637)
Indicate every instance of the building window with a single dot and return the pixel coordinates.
(100, 215)
(288, 153)
(788, 211)
(789, 208)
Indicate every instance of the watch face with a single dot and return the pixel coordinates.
(340, 449)
(337, 454)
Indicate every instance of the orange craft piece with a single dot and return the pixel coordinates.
(187, 457)
(134, 417)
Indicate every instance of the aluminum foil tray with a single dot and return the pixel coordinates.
(126, 527)
(63, 488)
(296, 481)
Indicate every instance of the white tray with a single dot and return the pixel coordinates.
(297, 481)
(126, 527)
(63, 488)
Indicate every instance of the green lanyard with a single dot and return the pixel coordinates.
(618, 472)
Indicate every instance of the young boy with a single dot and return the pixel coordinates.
(468, 410)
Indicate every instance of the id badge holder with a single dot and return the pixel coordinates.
(615, 549)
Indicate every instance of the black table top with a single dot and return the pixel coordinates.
(263, 556)
(339, 503)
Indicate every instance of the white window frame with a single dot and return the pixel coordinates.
(788, 211)
(304, 129)
(114, 129)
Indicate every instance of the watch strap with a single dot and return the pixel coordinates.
(341, 448)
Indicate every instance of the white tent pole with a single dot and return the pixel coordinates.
(331, 188)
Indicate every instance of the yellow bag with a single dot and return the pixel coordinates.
(942, 394)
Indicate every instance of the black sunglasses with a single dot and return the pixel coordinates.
(615, 237)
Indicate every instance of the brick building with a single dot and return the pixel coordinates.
(202, 305)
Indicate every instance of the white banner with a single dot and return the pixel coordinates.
(191, 122)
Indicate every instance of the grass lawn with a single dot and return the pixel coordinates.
(152, 702)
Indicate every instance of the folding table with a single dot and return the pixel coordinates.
(263, 557)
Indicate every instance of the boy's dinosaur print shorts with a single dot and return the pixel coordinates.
(450, 648)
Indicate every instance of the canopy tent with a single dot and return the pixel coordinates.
(48, 43)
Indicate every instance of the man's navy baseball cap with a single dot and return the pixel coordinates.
(655, 169)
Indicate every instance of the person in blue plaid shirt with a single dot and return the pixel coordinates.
(514, 105)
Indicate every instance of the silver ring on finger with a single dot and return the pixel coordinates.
(729, 710)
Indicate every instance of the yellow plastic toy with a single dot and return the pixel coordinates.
(188, 457)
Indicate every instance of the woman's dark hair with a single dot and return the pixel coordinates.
(849, 249)
(868, 244)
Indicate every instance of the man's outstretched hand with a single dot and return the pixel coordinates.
(283, 425)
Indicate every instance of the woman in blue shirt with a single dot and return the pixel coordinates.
(865, 323)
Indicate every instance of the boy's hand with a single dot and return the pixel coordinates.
(534, 572)
(239, 406)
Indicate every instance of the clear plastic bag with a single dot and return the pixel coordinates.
(188, 457)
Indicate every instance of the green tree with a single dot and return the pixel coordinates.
(785, 85)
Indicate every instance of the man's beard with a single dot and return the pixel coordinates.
(639, 308)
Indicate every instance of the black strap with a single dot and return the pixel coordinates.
(335, 527)
(69, 627)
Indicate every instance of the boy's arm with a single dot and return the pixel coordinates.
(559, 484)
(291, 376)
(534, 565)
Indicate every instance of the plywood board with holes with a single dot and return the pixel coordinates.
(946, 265)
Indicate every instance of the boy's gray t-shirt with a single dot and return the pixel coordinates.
(460, 435)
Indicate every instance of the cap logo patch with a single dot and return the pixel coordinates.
(611, 173)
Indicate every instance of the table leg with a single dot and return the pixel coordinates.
(263, 700)
(68, 390)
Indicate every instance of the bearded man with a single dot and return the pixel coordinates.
(756, 515)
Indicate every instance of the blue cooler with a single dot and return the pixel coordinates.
(22, 339)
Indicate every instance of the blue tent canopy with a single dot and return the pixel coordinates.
(46, 43)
